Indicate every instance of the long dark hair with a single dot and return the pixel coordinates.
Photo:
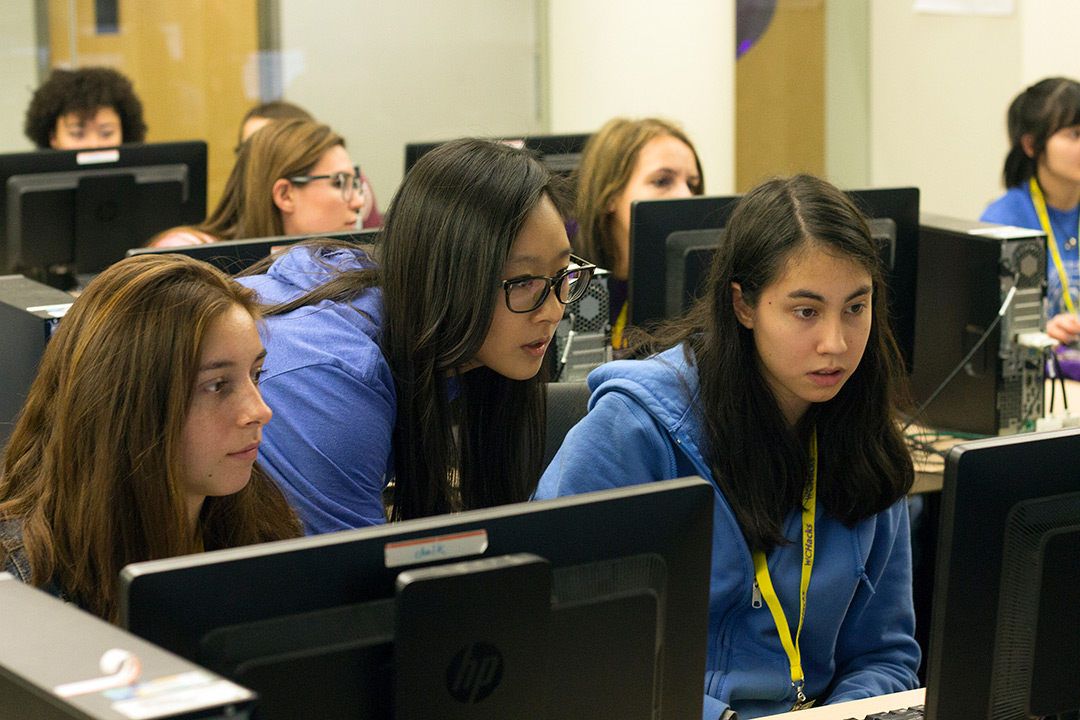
(1039, 111)
(461, 440)
(759, 463)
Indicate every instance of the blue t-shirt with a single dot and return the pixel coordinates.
(1016, 208)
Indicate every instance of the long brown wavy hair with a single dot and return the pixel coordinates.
(92, 467)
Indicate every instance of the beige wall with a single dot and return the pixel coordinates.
(384, 74)
(847, 93)
(18, 74)
(939, 88)
(641, 58)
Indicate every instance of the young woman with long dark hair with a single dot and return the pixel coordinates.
(420, 377)
(780, 387)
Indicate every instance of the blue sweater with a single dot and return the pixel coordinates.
(329, 441)
(857, 639)
(1016, 208)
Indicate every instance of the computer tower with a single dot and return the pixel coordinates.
(29, 312)
(58, 662)
(966, 271)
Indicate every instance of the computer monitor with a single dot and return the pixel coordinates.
(70, 213)
(588, 606)
(561, 153)
(235, 256)
(1005, 627)
(672, 240)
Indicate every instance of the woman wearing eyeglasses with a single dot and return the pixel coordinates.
(418, 381)
(292, 177)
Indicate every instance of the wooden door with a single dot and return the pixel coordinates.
(194, 64)
(780, 97)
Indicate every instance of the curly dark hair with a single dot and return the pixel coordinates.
(83, 91)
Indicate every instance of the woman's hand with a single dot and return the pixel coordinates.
(1065, 328)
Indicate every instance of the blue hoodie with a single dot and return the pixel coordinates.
(329, 441)
(857, 639)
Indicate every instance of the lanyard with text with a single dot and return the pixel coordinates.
(1044, 220)
(761, 576)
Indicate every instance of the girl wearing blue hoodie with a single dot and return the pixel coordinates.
(779, 387)
(417, 381)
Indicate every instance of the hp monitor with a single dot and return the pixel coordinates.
(71, 213)
(561, 153)
(1005, 630)
(589, 606)
(235, 256)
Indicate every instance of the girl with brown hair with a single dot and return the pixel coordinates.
(140, 432)
(292, 177)
(624, 161)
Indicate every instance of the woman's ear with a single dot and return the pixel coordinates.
(1027, 143)
(742, 310)
(282, 193)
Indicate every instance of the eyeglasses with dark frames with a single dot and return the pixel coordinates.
(348, 184)
(525, 294)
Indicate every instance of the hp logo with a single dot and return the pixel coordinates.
(474, 673)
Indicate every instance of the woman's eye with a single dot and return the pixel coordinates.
(216, 386)
(257, 376)
(662, 182)
(805, 313)
(857, 308)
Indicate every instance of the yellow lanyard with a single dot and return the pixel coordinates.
(761, 576)
(1044, 220)
(620, 325)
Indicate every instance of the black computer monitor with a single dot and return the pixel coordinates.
(1005, 628)
(235, 256)
(67, 213)
(672, 241)
(561, 153)
(589, 606)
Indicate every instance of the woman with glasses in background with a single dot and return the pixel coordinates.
(292, 177)
(417, 381)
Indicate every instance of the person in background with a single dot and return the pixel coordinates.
(261, 114)
(780, 386)
(1042, 180)
(624, 161)
(292, 177)
(91, 107)
(139, 435)
(420, 379)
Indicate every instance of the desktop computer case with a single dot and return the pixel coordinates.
(966, 270)
(29, 311)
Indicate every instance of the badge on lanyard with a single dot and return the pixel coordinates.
(763, 582)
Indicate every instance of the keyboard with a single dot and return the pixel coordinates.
(907, 705)
(916, 712)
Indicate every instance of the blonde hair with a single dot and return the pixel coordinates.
(606, 166)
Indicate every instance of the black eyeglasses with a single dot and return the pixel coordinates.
(525, 294)
(348, 184)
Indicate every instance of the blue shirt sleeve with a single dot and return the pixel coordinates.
(329, 443)
(618, 443)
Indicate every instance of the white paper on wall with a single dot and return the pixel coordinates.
(965, 7)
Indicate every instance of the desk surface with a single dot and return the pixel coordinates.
(929, 467)
(858, 708)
